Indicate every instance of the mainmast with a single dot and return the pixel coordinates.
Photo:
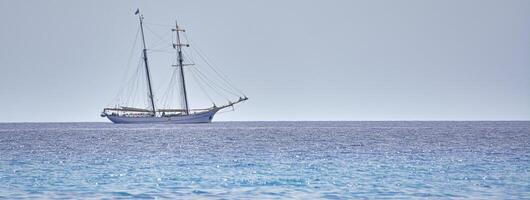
(178, 46)
(150, 90)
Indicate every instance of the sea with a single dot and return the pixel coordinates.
(266, 160)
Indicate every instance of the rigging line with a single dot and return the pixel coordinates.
(221, 95)
(155, 34)
(161, 43)
(137, 85)
(131, 89)
(228, 91)
(199, 52)
(159, 87)
(168, 26)
(188, 57)
(180, 92)
(209, 85)
(119, 95)
(139, 89)
(215, 80)
(216, 85)
(133, 47)
(169, 89)
(167, 49)
(190, 53)
(171, 94)
(166, 90)
(127, 68)
(200, 86)
(160, 38)
(223, 77)
(161, 51)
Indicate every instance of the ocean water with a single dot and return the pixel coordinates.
(266, 160)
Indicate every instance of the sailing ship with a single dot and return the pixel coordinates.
(123, 114)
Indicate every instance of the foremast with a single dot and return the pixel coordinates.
(178, 47)
(148, 76)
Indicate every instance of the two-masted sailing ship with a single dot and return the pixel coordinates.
(183, 114)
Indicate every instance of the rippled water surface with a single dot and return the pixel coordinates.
(266, 160)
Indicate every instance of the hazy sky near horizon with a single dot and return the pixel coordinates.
(296, 60)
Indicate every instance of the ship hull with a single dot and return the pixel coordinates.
(203, 117)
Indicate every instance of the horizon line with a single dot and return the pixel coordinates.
(447, 120)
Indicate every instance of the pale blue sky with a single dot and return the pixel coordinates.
(296, 60)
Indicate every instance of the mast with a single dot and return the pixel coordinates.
(178, 46)
(150, 90)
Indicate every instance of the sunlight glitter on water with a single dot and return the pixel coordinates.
(266, 160)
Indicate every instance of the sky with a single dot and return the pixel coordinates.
(63, 61)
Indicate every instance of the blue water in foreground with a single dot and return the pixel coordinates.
(334, 160)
